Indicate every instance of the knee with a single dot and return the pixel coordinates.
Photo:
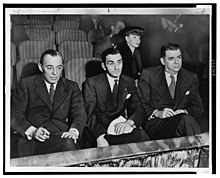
(187, 119)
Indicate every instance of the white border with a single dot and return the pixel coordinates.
(150, 11)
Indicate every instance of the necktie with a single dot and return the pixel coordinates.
(115, 92)
(172, 86)
(51, 92)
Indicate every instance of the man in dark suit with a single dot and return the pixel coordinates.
(132, 63)
(113, 108)
(170, 96)
(48, 110)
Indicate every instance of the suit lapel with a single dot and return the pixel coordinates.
(60, 94)
(41, 90)
(122, 92)
(103, 88)
(180, 88)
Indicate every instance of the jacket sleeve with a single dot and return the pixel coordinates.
(77, 110)
(89, 95)
(144, 92)
(135, 109)
(194, 106)
(19, 106)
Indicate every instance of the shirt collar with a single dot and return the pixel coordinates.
(111, 80)
(48, 85)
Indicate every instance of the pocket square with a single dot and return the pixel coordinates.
(128, 96)
(187, 92)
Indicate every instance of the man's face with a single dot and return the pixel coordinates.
(113, 65)
(133, 40)
(52, 68)
(172, 61)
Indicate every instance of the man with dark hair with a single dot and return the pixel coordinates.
(48, 110)
(113, 108)
(132, 63)
(169, 94)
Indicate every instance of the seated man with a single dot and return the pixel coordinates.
(170, 96)
(107, 96)
(47, 110)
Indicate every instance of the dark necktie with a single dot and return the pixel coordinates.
(51, 92)
(172, 86)
(115, 93)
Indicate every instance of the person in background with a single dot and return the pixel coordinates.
(169, 94)
(132, 63)
(48, 110)
(113, 108)
(109, 40)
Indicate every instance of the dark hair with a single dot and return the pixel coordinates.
(108, 51)
(50, 52)
(169, 46)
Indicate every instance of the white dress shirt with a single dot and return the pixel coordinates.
(111, 81)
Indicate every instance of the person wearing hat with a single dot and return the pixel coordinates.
(132, 64)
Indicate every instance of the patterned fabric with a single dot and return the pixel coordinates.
(71, 49)
(94, 35)
(70, 35)
(41, 34)
(37, 24)
(33, 49)
(48, 18)
(13, 54)
(65, 24)
(188, 158)
(75, 69)
(26, 68)
(40, 26)
(67, 17)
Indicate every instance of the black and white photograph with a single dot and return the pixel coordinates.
(133, 90)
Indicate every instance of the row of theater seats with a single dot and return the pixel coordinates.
(59, 28)
(79, 62)
(64, 35)
(69, 49)
(76, 69)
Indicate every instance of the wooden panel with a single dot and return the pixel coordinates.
(83, 156)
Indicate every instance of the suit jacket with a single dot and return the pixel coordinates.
(128, 59)
(95, 92)
(31, 106)
(154, 92)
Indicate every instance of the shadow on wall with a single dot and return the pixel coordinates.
(29, 70)
(93, 68)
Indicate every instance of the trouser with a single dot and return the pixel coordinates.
(175, 126)
(137, 135)
(54, 144)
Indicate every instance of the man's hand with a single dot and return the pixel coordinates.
(179, 111)
(101, 141)
(167, 112)
(70, 134)
(41, 134)
(123, 127)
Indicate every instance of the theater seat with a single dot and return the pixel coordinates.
(76, 49)
(33, 49)
(70, 35)
(26, 68)
(76, 69)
